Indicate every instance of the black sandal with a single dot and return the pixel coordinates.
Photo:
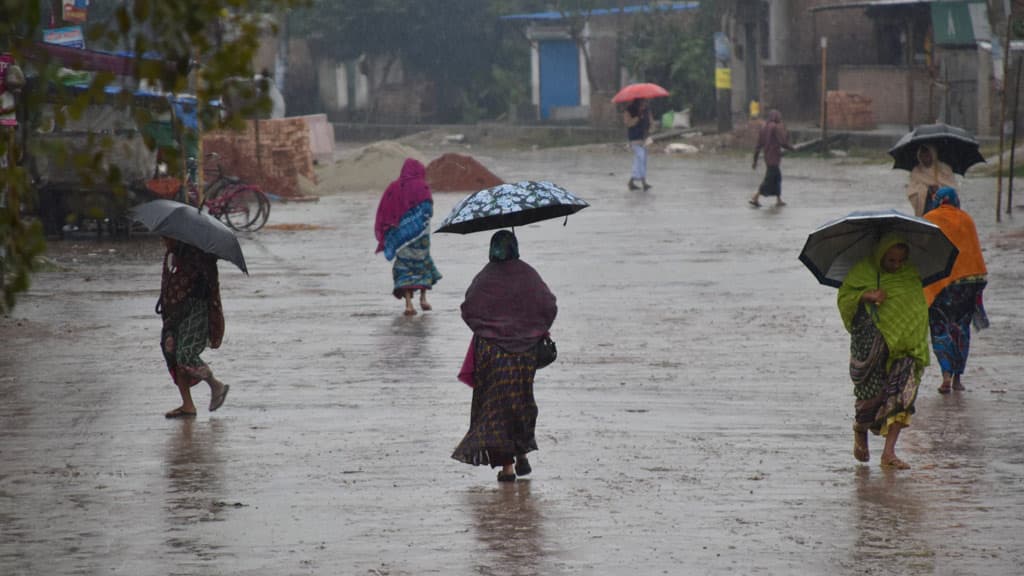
(502, 477)
(523, 466)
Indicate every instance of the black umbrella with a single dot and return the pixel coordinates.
(955, 146)
(189, 225)
(508, 205)
(832, 249)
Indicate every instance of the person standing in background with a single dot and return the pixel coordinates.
(638, 120)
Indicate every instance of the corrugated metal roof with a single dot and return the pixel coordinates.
(874, 4)
(555, 15)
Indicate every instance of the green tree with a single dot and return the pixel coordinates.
(677, 53)
(197, 46)
(460, 45)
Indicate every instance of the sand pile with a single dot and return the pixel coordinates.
(370, 168)
(458, 173)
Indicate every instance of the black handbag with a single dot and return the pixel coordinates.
(546, 352)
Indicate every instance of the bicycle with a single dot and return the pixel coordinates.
(239, 205)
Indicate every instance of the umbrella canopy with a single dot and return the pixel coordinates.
(189, 225)
(508, 205)
(831, 250)
(955, 146)
(642, 90)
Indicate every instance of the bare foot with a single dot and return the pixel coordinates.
(957, 385)
(860, 445)
(425, 305)
(780, 203)
(410, 312)
(894, 463)
(946, 387)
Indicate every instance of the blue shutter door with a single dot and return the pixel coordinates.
(559, 75)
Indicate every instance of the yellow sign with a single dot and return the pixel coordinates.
(723, 78)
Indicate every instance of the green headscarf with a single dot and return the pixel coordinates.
(504, 246)
(903, 317)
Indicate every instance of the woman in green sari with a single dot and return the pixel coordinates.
(883, 308)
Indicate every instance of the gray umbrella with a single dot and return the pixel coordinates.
(832, 249)
(189, 225)
(508, 205)
(955, 146)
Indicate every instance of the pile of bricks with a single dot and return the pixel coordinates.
(849, 111)
(283, 154)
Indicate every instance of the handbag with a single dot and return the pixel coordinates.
(546, 352)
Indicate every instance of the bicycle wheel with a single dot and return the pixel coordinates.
(242, 208)
(264, 210)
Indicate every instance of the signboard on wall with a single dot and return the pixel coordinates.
(70, 36)
(75, 10)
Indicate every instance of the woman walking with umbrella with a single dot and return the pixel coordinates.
(402, 229)
(510, 309)
(955, 301)
(883, 308)
(193, 317)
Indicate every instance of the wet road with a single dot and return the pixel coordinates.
(697, 420)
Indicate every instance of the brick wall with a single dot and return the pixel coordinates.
(284, 154)
(887, 88)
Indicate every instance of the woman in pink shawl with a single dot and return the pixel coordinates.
(403, 234)
(509, 308)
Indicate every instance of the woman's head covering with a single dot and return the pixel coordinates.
(947, 195)
(504, 246)
(774, 116)
(410, 189)
(930, 148)
(903, 317)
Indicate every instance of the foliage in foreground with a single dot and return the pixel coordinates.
(180, 46)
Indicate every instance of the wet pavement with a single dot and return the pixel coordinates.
(697, 420)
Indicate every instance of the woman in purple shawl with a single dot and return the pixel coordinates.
(509, 308)
(402, 229)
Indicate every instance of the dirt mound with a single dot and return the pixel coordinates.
(458, 173)
(372, 167)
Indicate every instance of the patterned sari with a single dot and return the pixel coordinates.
(414, 269)
(191, 310)
(504, 413)
(950, 316)
(888, 342)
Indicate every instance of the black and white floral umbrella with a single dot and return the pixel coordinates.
(510, 205)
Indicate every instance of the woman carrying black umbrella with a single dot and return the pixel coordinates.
(192, 318)
(510, 309)
(883, 308)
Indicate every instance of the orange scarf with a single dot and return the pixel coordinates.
(958, 226)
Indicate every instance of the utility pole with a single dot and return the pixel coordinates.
(824, 95)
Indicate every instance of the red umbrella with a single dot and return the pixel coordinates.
(642, 90)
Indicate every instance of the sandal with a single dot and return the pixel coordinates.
(502, 477)
(754, 203)
(180, 412)
(523, 466)
(217, 400)
(946, 388)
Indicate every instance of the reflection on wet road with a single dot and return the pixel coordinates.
(697, 420)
